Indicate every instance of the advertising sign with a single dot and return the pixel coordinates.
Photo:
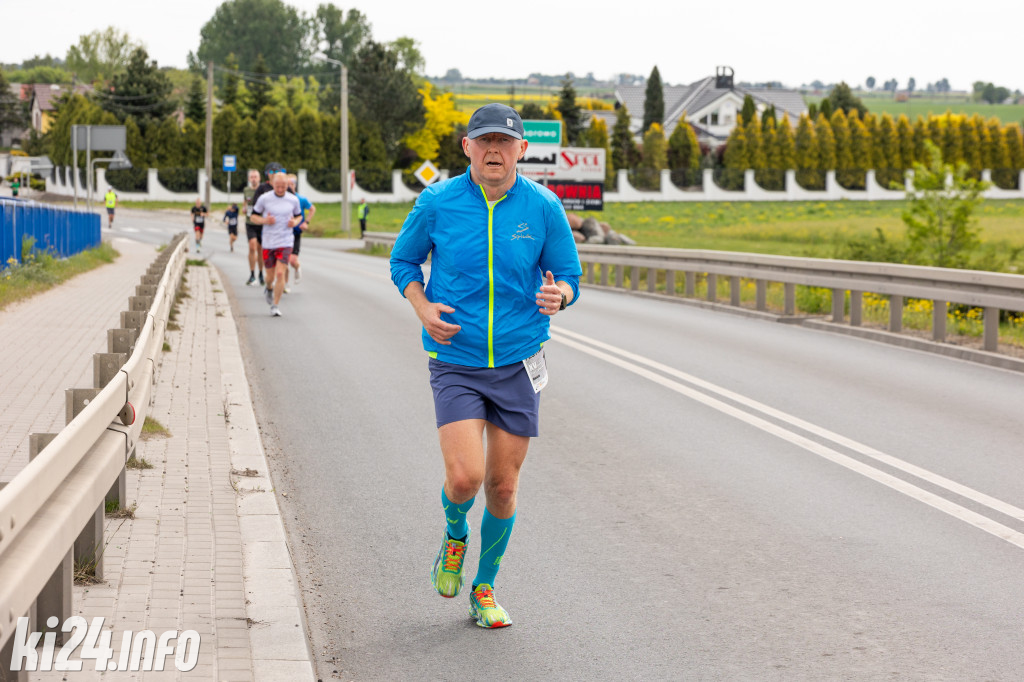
(579, 196)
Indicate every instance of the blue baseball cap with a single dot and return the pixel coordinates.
(495, 118)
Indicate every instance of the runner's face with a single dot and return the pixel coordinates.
(493, 157)
(280, 183)
(254, 179)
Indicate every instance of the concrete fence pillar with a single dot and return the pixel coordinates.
(712, 287)
(990, 332)
(789, 296)
(670, 282)
(761, 294)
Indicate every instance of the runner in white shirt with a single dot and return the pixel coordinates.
(278, 212)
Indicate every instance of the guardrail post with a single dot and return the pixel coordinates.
(652, 280)
(856, 308)
(712, 287)
(761, 294)
(7, 653)
(153, 280)
(991, 322)
(55, 598)
(604, 274)
(789, 296)
(146, 290)
(133, 319)
(634, 278)
(89, 544)
(105, 367)
(140, 303)
(620, 276)
(734, 291)
(670, 282)
(838, 305)
(690, 285)
(590, 272)
(940, 309)
(895, 313)
(121, 340)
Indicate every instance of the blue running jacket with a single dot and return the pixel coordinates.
(488, 263)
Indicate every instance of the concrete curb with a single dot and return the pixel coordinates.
(273, 603)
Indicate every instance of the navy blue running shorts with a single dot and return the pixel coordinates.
(503, 396)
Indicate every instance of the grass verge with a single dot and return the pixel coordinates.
(40, 271)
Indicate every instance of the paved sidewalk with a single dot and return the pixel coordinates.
(206, 550)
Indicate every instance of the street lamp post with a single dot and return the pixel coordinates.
(346, 219)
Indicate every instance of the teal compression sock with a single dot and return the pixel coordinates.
(494, 534)
(455, 514)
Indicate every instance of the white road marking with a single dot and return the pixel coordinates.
(633, 362)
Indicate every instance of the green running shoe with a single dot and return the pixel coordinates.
(446, 575)
(486, 611)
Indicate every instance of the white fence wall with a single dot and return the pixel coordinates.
(709, 191)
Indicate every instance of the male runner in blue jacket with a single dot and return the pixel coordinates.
(503, 262)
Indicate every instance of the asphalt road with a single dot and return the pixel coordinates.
(712, 497)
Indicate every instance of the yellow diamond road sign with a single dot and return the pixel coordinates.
(427, 173)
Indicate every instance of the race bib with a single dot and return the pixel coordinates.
(537, 369)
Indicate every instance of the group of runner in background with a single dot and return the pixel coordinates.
(275, 217)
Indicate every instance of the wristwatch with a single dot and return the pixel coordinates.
(564, 302)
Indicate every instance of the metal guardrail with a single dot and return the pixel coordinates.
(52, 512)
(848, 281)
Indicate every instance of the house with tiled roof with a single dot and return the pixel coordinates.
(711, 105)
(44, 102)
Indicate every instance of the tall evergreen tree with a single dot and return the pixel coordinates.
(905, 138)
(749, 110)
(229, 91)
(844, 158)
(164, 141)
(572, 113)
(624, 151)
(193, 150)
(654, 100)
(195, 104)
(1002, 173)
(952, 145)
(268, 136)
(736, 159)
(889, 171)
(972, 149)
(827, 108)
(245, 145)
(1015, 148)
(245, 28)
(141, 90)
(309, 144)
(654, 158)
(768, 117)
(841, 97)
(12, 115)
(684, 153)
(808, 157)
(757, 155)
(860, 150)
(259, 87)
(785, 146)
(875, 158)
(826, 144)
(921, 135)
(386, 93)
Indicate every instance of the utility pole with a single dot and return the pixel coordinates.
(346, 219)
(209, 130)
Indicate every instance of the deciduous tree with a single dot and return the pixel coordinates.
(99, 55)
(248, 28)
(941, 228)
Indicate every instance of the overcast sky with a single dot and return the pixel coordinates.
(794, 42)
